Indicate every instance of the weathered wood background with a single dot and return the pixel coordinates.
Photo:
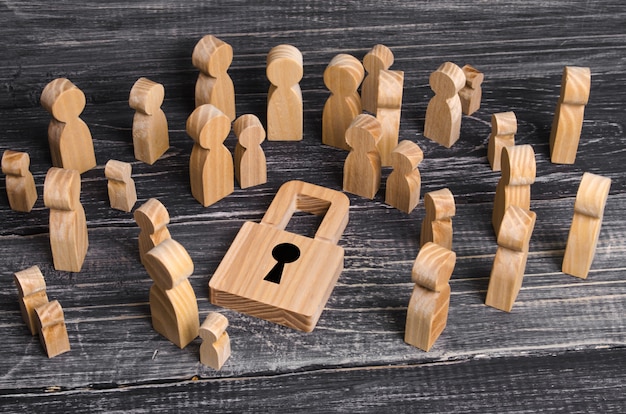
(560, 349)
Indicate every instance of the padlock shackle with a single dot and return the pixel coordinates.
(298, 195)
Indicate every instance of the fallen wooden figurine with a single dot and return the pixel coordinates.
(150, 133)
(121, 187)
(20, 183)
(215, 348)
(437, 223)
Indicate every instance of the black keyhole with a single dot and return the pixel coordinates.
(283, 253)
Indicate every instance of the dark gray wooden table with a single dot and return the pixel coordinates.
(560, 349)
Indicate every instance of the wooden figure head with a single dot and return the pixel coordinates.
(504, 123)
(61, 189)
(344, 74)
(378, 58)
(168, 264)
(284, 65)
(518, 165)
(447, 80)
(15, 163)
(249, 130)
(406, 157)
(152, 216)
(364, 132)
(592, 194)
(146, 96)
(208, 126)
(575, 85)
(212, 56)
(516, 228)
(433, 267)
(63, 99)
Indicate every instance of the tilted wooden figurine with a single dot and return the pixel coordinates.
(211, 168)
(20, 183)
(471, 94)
(443, 114)
(507, 272)
(31, 288)
(503, 129)
(390, 83)
(250, 163)
(150, 133)
(68, 226)
(284, 98)
(437, 223)
(214, 86)
(121, 187)
(584, 232)
(70, 141)
(152, 218)
(215, 348)
(404, 182)
(362, 169)
(51, 328)
(568, 116)
(342, 77)
(380, 57)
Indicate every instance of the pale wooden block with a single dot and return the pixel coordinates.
(433, 267)
(380, 57)
(471, 94)
(427, 316)
(250, 162)
(152, 218)
(51, 328)
(31, 288)
(403, 184)
(121, 187)
(150, 133)
(390, 84)
(215, 348)
(284, 98)
(20, 184)
(362, 168)
(437, 223)
(503, 129)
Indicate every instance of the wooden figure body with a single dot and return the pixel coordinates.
(378, 58)
(584, 232)
(437, 223)
(70, 141)
(68, 226)
(211, 166)
(284, 98)
(362, 169)
(173, 303)
(513, 189)
(152, 218)
(150, 133)
(20, 183)
(509, 263)
(569, 114)
(503, 129)
(443, 114)
(404, 182)
(471, 94)
(214, 86)
(121, 187)
(51, 328)
(427, 313)
(31, 288)
(390, 84)
(342, 77)
(215, 348)
(250, 163)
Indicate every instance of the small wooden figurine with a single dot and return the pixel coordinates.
(31, 288)
(471, 94)
(443, 114)
(569, 113)
(211, 168)
(584, 232)
(173, 303)
(214, 86)
(284, 98)
(68, 226)
(427, 314)
(152, 218)
(20, 183)
(509, 263)
(122, 193)
(378, 58)
(513, 189)
(70, 141)
(250, 163)
(362, 169)
(342, 77)
(51, 328)
(390, 83)
(437, 223)
(150, 133)
(503, 129)
(404, 182)
(215, 348)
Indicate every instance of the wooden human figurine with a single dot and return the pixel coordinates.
(404, 182)
(68, 226)
(214, 86)
(443, 114)
(122, 193)
(569, 113)
(390, 83)
(380, 57)
(51, 328)
(584, 232)
(284, 98)
(342, 77)
(471, 94)
(509, 263)
(31, 288)
(173, 303)
(427, 313)
(152, 218)
(503, 129)
(211, 168)
(513, 189)
(150, 133)
(215, 348)
(20, 183)
(437, 223)
(70, 141)
(250, 163)
(362, 169)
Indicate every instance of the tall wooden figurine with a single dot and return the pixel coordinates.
(404, 182)
(20, 183)
(471, 94)
(284, 98)
(390, 84)
(380, 57)
(152, 218)
(362, 169)
(250, 163)
(437, 223)
(503, 129)
(150, 133)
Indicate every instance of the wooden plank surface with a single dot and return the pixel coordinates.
(562, 346)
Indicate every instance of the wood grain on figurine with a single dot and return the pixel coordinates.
(362, 167)
(471, 94)
(503, 129)
(121, 186)
(284, 98)
(31, 287)
(388, 111)
(51, 328)
(152, 218)
(250, 162)
(403, 184)
(20, 184)
(380, 57)
(215, 348)
(433, 267)
(437, 223)
(150, 133)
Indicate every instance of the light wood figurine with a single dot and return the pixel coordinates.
(70, 141)
(51, 328)
(388, 111)
(121, 187)
(471, 94)
(152, 218)
(31, 287)
(503, 129)
(284, 98)
(437, 223)
(380, 57)
(150, 133)
(404, 182)
(215, 348)
(584, 232)
(362, 169)
(20, 183)
(250, 162)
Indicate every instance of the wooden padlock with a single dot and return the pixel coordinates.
(280, 276)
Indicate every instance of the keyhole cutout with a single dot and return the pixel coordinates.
(283, 253)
